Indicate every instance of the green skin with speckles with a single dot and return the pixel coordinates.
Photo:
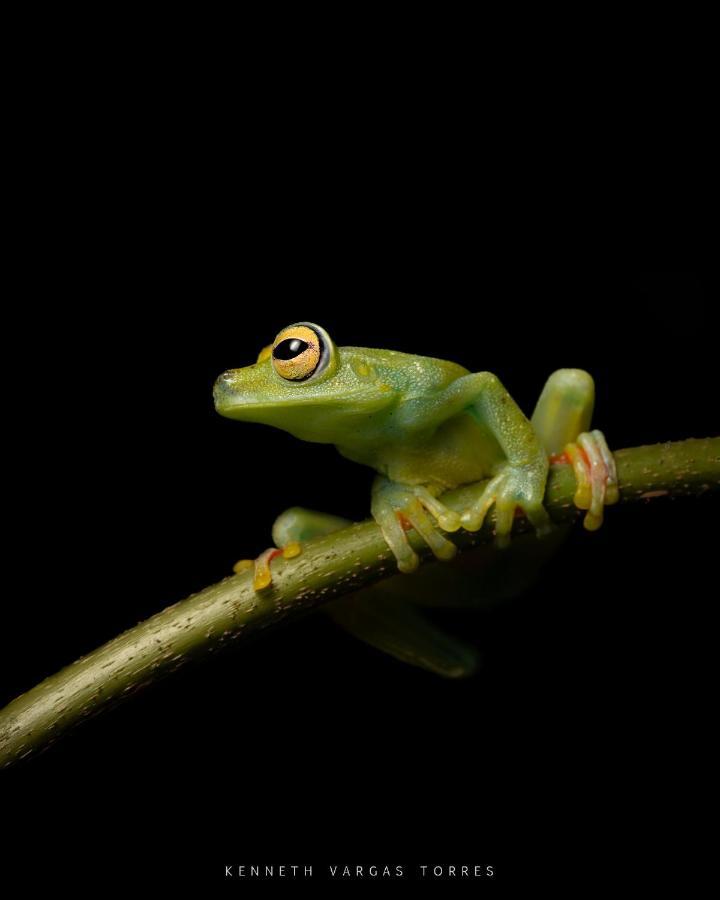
(425, 425)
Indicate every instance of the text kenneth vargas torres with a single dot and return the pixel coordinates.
(348, 873)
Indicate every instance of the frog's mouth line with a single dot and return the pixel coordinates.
(226, 406)
(234, 406)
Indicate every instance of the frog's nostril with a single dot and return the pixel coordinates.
(222, 385)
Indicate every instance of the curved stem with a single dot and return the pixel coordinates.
(328, 567)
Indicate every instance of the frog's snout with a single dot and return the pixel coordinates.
(223, 390)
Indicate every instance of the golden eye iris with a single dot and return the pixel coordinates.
(297, 352)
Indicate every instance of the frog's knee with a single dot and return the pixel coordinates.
(300, 524)
(287, 526)
(564, 409)
(575, 384)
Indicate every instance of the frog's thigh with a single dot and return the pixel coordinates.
(300, 524)
(393, 625)
(564, 409)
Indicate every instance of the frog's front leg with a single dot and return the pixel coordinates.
(290, 529)
(518, 482)
(398, 507)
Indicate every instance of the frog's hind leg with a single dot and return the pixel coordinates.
(290, 529)
(381, 615)
(377, 615)
(564, 409)
(392, 624)
(595, 474)
(562, 421)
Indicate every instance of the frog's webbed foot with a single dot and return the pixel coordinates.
(595, 473)
(262, 577)
(515, 487)
(290, 529)
(399, 507)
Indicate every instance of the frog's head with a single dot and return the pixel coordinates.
(304, 384)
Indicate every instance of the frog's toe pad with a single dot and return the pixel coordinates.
(291, 550)
(595, 474)
(472, 518)
(262, 576)
(399, 508)
(501, 491)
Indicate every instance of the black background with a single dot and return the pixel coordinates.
(161, 243)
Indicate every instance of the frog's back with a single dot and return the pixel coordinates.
(408, 374)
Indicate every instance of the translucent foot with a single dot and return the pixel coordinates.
(397, 508)
(515, 488)
(596, 476)
(262, 577)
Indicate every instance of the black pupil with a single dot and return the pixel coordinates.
(290, 348)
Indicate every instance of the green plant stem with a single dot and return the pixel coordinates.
(328, 567)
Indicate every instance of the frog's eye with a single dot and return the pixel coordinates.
(299, 352)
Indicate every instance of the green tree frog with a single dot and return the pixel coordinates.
(425, 426)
